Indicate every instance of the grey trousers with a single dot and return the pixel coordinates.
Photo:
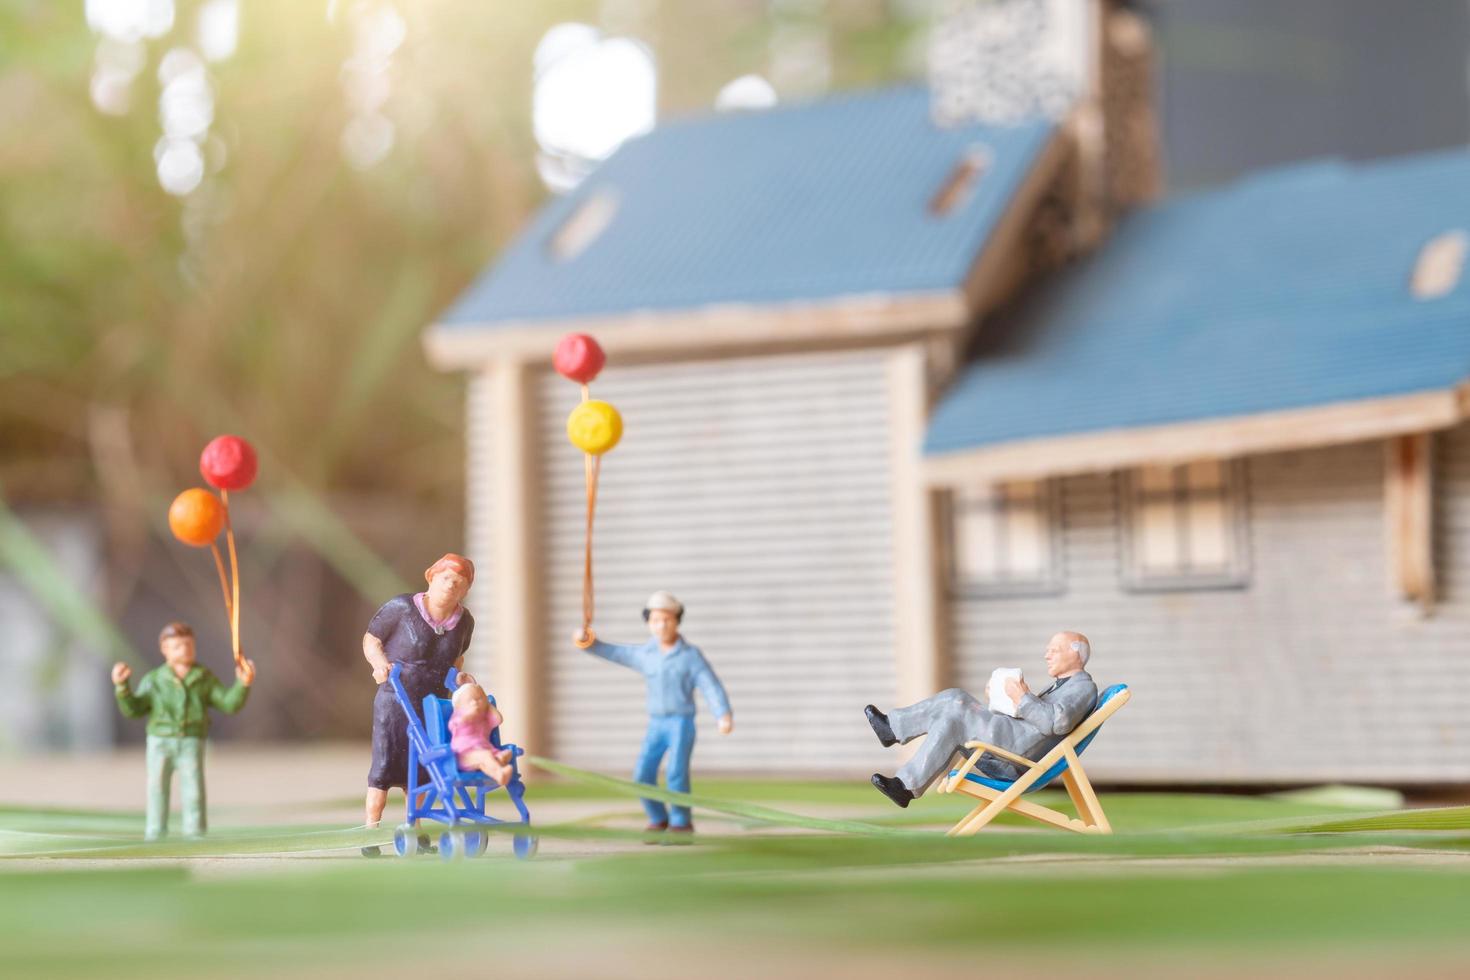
(947, 721)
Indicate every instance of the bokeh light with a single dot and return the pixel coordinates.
(186, 105)
(378, 31)
(591, 94)
(180, 165)
(217, 28)
(118, 63)
(130, 20)
(367, 139)
(746, 92)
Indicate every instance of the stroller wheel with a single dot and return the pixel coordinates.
(451, 846)
(475, 842)
(406, 841)
(526, 846)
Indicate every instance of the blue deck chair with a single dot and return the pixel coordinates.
(1000, 795)
(451, 796)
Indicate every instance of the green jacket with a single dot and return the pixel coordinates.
(180, 707)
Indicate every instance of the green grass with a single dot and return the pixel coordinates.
(818, 899)
(1209, 879)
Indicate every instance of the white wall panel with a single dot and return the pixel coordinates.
(1314, 671)
(758, 491)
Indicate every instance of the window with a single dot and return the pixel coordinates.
(1437, 270)
(1184, 527)
(960, 183)
(1004, 539)
(583, 227)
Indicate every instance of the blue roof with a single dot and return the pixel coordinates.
(1286, 290)
(802, 202)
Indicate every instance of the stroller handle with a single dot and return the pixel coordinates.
(395, 677)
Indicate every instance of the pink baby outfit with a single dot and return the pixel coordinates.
(468, 735)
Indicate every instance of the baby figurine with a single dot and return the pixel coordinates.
(470, 726)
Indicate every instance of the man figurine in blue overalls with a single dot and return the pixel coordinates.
(673, 668)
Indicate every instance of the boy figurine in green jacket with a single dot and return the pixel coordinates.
(177, 697)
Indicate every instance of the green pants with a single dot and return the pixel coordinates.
(165, 754)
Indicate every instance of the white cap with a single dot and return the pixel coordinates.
(665, 601)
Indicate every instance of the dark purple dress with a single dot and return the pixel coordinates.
(426, 657)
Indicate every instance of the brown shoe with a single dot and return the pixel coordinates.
(651, 829)
(681, 835)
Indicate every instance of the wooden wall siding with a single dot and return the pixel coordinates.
(757, 491)
(479, 523)
(1315, 671)
(1408, 500)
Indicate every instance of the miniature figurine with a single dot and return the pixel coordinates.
(177, 697)
(424, 633)
(673, 668)
(951, 718)
(470, 726)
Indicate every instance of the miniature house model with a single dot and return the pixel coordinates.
(903, 399)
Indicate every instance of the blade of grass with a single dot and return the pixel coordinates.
(746, 811)
(67, 604)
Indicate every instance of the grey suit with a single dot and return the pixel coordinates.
(951, 718)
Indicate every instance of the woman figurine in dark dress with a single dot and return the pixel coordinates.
(425, 634)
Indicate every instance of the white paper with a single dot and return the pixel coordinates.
(1000, 701)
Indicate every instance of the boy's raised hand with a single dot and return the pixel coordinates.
(120, 673)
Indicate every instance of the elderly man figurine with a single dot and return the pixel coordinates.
(674, 669)
(951, 718)
(176, 698)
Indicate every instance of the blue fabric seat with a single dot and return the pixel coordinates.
(437, 712)
(1061, 764)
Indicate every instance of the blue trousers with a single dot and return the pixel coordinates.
(673, 734)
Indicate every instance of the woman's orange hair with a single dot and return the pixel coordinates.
(459, 563)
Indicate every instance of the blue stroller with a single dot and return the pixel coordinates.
(450, 796)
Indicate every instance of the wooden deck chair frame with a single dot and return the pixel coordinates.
(994, 802)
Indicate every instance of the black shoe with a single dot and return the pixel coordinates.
(879, 721)
(893, 788)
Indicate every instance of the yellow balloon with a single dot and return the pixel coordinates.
(594, 427)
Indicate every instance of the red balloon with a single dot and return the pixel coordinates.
(578, 358)
(228, 463)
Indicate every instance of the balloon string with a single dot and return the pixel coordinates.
(234, 581)
(593, 468)
(224, 584)
(590, 467)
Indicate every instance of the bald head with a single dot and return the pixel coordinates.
(1067, 653)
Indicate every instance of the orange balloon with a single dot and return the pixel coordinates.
(196, 517)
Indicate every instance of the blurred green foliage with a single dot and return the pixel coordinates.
(283, 300)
